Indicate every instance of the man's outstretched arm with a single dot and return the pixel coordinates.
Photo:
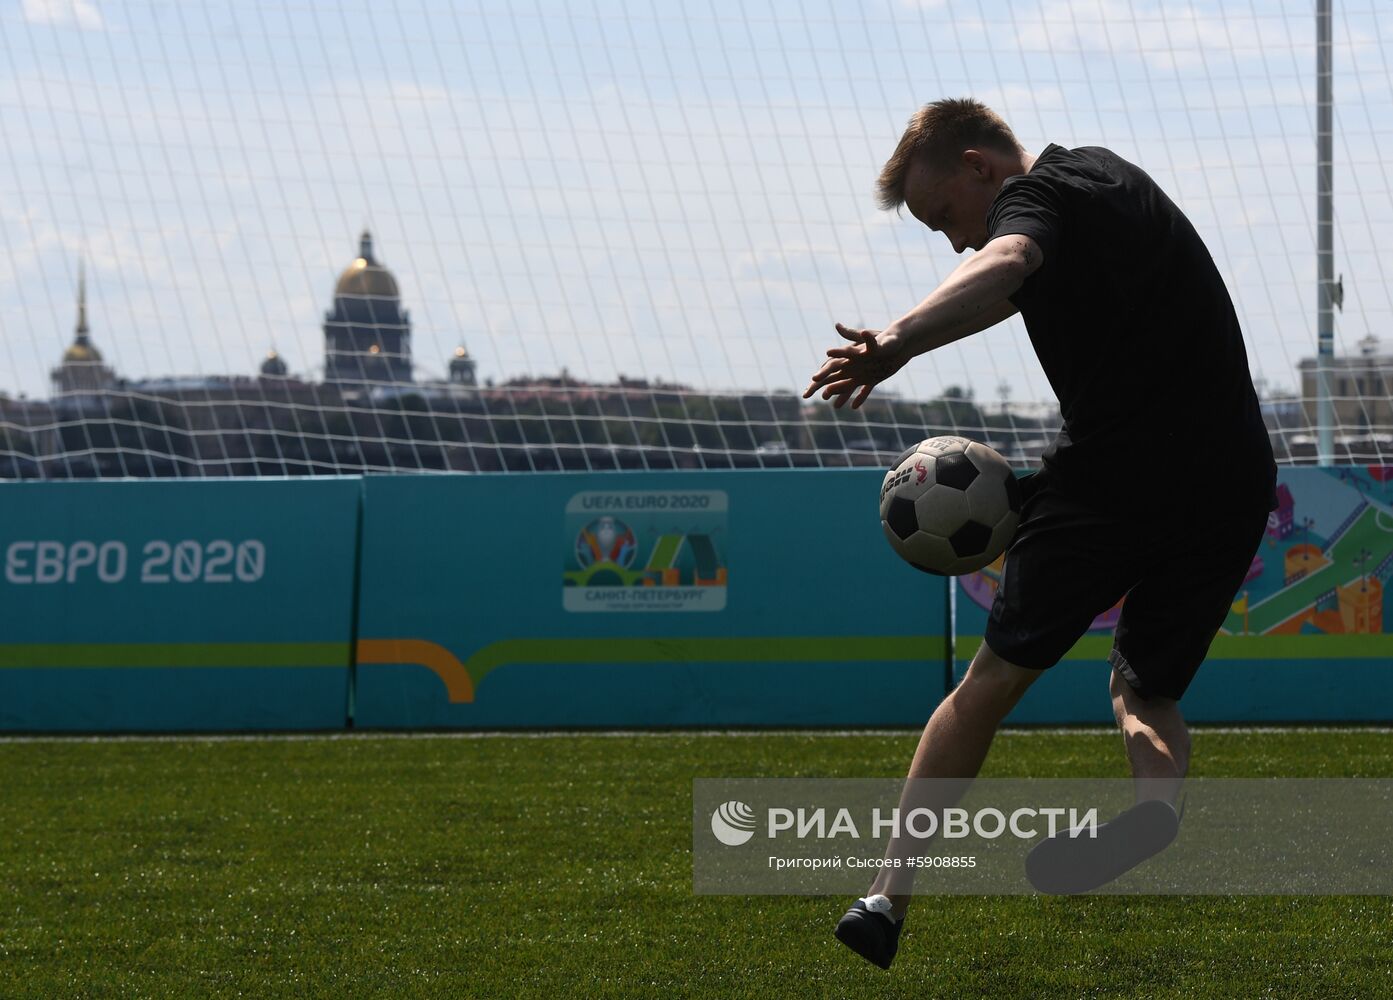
(975, 296)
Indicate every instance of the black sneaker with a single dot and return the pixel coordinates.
(1065, 864)
(871, 934)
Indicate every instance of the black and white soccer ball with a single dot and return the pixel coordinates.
(950, 505)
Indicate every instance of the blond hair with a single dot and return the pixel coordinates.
(938, 133)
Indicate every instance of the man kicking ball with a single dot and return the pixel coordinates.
(1157, 486)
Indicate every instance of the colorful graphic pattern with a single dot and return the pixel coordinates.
(1321, 569)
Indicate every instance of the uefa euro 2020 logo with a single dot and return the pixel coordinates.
(645, 551)
(606, 540)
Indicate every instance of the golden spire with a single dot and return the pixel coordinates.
(82, 349)
(82, 330)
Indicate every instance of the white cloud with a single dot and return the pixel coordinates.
(76, 13)
(1168, 36)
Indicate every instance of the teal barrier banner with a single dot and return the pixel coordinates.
(1306, 638)
(641, 599)
(177, 605)
(720, 598)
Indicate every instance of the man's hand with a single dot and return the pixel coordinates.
(975, 296)
(857, 368)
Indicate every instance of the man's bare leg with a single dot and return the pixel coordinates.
(959, 734)
(1156, 738)
(1158, 748)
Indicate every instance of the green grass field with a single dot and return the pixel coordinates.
(508, 866)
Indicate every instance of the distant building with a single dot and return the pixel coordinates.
(81, 369)
(367, 335)
(273, 367)
(462, 369)
(1361, 389)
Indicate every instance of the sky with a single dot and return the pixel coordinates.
(682, 193)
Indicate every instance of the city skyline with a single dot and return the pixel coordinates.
(365, 296)
(459, 360)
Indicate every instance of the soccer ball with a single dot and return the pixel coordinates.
(950, 506)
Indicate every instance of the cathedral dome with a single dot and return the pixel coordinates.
(365, 277)
(82, 353)
(274, 365)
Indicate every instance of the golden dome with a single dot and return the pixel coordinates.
(366, 277)
(363, 278)
(81, 352)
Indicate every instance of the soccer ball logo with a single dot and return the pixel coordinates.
(950, 506)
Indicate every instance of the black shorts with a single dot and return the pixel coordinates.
(1071, 561)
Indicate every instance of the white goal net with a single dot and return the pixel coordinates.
(290, 239)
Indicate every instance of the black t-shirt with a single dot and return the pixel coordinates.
(1138, 338)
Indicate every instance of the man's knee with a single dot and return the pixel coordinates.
(994, 682)
(1140, 717)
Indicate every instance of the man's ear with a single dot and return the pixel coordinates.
(976, 162)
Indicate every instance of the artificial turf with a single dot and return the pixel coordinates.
(560, 866)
